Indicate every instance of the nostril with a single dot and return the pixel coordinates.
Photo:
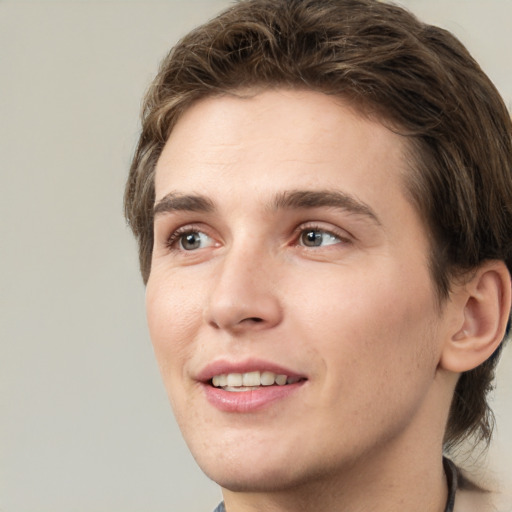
(255, 319)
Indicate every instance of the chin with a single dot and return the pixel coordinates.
(262, 480)
(260, 473)
(242, 473)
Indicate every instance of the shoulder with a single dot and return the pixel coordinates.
(473, 501)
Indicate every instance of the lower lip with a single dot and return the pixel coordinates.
(248, 401)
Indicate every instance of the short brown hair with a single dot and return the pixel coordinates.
(417, 78)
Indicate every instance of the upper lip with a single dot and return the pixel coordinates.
(224, 367)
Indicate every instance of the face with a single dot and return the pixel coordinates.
(290, 303)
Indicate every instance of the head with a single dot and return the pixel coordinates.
(415, 79)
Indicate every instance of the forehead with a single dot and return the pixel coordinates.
(269, 133)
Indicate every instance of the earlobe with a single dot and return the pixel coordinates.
(483, 305)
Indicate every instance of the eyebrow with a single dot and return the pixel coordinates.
(288, 200)
(179, 202)
(306, 199)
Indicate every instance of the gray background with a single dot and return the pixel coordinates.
(84, 420)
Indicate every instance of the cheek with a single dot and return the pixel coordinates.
(173, 313)
(372, 331)
(380, 339)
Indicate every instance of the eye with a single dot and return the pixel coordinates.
(313, 237)
(190, 240)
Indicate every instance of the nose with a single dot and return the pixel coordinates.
(244, 295)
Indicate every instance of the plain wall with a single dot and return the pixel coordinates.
(84, 420)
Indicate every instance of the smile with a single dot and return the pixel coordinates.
(249, 381)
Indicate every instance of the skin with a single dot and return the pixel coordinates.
(356, 316)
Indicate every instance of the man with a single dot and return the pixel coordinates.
(321, 195)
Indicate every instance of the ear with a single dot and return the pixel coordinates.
(481, 308)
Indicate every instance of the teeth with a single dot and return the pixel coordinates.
(281, 379)
(252, 379)
(234, 380)
(267, 378)
(220, 380)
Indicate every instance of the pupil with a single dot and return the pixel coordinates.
(191, 241)
(313, 238)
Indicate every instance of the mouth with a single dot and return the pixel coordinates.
(252, 380)
(248, 386)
